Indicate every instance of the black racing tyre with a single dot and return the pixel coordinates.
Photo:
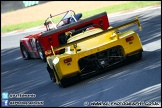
(40, 51)
(51, 73)
(135, 57)
(63, 83)
(25, 53)
(138, 56)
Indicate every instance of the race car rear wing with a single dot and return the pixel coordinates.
(82, 22)
(74, 43)
(55, 37)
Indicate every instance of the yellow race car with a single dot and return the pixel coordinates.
(91, 48)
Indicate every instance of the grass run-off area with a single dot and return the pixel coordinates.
(109, 9)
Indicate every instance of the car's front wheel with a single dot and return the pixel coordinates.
(40, 51)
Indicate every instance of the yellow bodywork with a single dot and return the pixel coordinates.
(93, 45)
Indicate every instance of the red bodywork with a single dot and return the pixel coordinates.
(51, 37)
(27, 42)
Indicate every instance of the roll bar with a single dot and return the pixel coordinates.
(51, 16)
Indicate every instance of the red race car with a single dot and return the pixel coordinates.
(31, 47)
(56, 34)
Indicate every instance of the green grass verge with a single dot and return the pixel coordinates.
(122, 7)
(109, 9)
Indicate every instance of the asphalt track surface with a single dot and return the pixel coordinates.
(133, 82)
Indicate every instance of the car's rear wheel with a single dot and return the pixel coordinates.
(62, 83)
(65, 82)
(25, 53)
(138, 56)
(135, 57)
(40, 51)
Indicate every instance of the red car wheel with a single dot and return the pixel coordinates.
(40, 51)
(25, 53)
